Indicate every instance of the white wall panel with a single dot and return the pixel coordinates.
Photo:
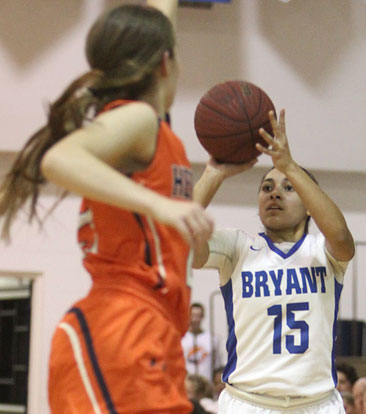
(310, 56)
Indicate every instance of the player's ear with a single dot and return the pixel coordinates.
(165, 64)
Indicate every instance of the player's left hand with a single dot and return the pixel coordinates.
(278, 148)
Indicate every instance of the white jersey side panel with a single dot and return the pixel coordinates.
(281, 310)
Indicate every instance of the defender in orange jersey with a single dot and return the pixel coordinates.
(118, 350)
(125, 336)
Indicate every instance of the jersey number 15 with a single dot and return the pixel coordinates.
(302, 326)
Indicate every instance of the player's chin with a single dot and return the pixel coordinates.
(273, 223)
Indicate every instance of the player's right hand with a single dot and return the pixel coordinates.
(278, 147)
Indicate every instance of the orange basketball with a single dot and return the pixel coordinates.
(228, 118)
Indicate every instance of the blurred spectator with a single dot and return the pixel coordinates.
(348, 402)
(201, 349)
(217, 382)
(201, 390)
(347, 376)
(359, 389)
(197, 408)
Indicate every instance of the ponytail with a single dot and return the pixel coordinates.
(24, 180)
(124, 47)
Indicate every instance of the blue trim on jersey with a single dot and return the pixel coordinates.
(227, 293)
(93, 358)
(148, 259)
(275, 249)
(337, 295)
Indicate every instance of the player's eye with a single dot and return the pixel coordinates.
(266, 188)
(288, 187)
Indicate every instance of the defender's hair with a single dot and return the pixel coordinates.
(124, 47)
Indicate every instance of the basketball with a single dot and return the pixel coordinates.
(228, 118)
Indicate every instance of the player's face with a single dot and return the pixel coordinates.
(196, 317)
(280, 208)
(343, 383)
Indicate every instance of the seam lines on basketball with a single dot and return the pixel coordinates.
(222, 114)
(222, 135)
(248, 120)
(259, 107)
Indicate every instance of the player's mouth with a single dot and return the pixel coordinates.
(274, 207)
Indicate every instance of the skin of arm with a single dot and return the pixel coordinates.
(320, 206)
(85, 162)
(212, 178)
(200, 256)
(204, 191)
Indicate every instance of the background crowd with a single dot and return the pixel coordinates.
(205, 365)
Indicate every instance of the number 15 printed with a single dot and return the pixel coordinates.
(302, 326)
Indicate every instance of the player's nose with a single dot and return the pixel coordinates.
(275, 194)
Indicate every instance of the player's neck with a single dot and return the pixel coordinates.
(155, 97)
(291, 235)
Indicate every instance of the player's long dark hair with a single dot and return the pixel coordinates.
(123, 48)
(311, 175)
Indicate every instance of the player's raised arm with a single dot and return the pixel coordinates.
(85, 164)
(212, 178)
(204, 191)
(319, 205)
(89, 166)
(326, 214)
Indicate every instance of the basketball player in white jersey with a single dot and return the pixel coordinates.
(281, 290)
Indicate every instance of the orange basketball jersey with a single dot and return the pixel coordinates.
(134, 253)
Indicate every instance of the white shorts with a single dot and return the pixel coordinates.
(229, 404)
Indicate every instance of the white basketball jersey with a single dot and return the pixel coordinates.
(281, 310)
